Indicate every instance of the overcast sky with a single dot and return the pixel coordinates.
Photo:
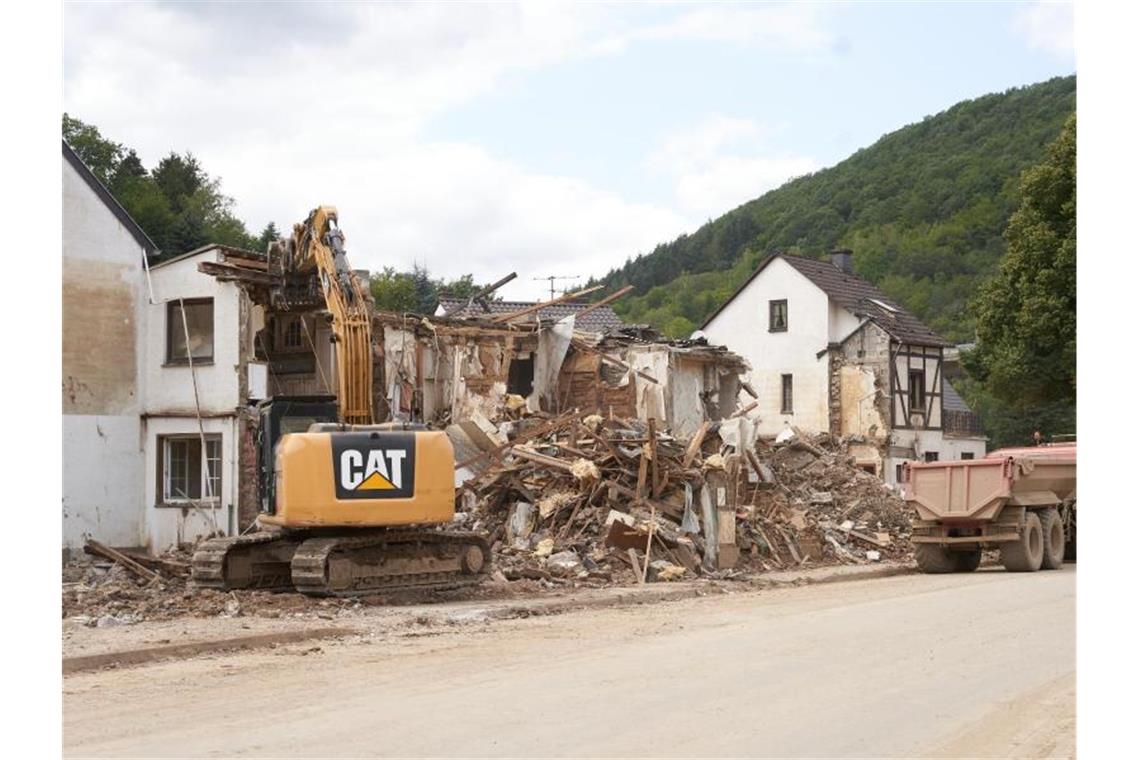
(540, 138)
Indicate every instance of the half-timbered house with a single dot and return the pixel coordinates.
(831, 352)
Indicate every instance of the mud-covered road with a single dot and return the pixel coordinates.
(965, 665)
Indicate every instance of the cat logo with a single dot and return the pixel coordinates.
(374, 465)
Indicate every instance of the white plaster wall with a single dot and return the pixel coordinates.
(169, 526)
(841, 322)
(948, 448)
(102, 465)
(650, 397)
(687, 382)
(953, 447)
(102, 480)
(170, 388)
(742, 326)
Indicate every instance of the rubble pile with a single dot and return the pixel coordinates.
(590, 500)
(823, 507)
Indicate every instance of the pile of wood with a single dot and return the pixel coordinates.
(586, 499)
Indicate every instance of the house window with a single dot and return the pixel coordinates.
(199, 324)
(291, 333)
(785, 394)
(899, 473)
(916, 390)
(967, 455)
(931, 456)
(778, 315)
(189, 472)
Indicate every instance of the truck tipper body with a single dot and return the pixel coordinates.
(1021, 501)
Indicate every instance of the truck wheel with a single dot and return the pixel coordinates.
(1025, 554)
(967, 562)
(932, 558)
(1053, 539)
(1071, 545)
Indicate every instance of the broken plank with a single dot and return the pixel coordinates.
(695, 445)
(94, 547)
(869, 539)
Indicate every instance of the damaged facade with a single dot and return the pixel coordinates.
(445, 369)
(833, 354)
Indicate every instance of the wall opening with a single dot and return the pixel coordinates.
(520, 375)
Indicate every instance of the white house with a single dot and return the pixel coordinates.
(830, 352)
(103, 362)
(162, 369)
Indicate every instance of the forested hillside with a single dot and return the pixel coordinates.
(923, 209)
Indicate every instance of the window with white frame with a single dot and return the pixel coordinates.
(189, 471)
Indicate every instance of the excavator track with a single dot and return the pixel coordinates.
(390, 560)
(254, 561)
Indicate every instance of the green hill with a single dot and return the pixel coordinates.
(923, 208)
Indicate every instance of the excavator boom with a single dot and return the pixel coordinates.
(317, 247)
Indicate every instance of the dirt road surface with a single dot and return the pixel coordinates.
(979, 665)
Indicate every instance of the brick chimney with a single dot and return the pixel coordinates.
(841, 260)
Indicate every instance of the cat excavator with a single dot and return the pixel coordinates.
(348, 507)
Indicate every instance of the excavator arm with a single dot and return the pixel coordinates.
(317, 249)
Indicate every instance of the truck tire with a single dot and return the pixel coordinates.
(1025, 554)
(967, 562)
(932, 558)
(1071, 545)
(1053, 539)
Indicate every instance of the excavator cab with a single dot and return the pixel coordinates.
(278, 416)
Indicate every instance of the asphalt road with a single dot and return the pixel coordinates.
(965, 665)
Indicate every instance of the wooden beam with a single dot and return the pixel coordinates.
(94, 547)
(499, 318)
(482, 293)
(695, 445)
(605, 301)
(610, 360)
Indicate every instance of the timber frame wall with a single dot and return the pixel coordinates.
(914, 358)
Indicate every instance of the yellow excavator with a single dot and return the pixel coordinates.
(348, 507)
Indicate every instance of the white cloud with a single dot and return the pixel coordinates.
(720, 163)
(795, 27)
(294, 105)
(1047, 26)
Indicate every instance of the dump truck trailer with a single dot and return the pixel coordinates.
(1021, 501)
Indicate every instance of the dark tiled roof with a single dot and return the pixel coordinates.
(951, 401)
(109, 201)
(857, 296)
(865, 300)
(599, 320)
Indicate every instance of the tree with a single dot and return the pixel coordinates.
(179, 177)
(1027, 314)
(102, 156)
(267, 236)
(393, 291)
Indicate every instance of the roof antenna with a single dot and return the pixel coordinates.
(552, 277)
